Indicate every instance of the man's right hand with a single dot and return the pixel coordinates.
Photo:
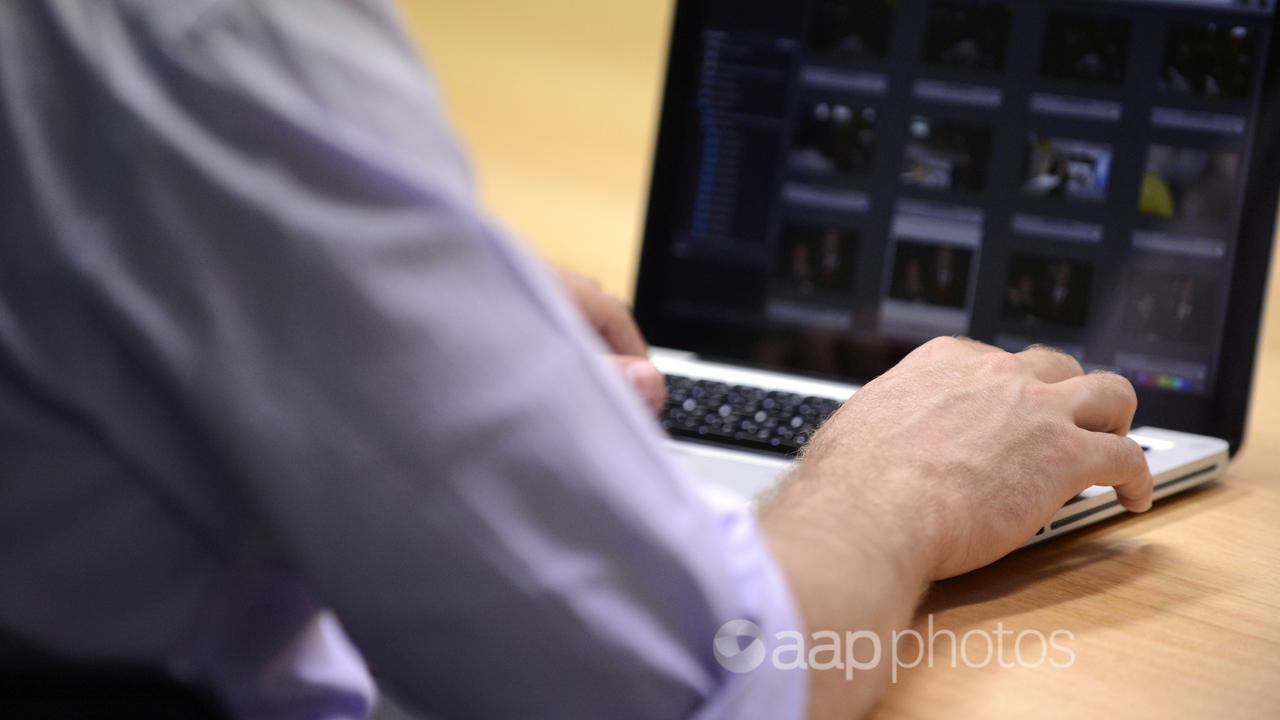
(944, 464)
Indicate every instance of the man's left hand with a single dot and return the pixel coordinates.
(613, 321)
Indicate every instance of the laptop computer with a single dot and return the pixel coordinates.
(838, 181)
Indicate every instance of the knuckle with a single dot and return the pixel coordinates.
(1121, 390)
(1130, 396)
(942, 344)
(999, 363)
(1058, 356)
(936, 348)
(1068, 362)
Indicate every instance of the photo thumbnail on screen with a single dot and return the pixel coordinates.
(817, 258)
(1066, 168)
(1212, 60)
(856, 28)
(1171, 307)
(943, 155)
(834, 139)
(1049, 291)
(931, 274)
(972, 35)
(1190, 184)
(1091, 48)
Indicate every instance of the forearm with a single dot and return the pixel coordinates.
(856, 563)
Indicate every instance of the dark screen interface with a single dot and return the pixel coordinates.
(867, 174)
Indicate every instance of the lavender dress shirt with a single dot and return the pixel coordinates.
(279, 404)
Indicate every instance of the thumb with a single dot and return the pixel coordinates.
(646, 379)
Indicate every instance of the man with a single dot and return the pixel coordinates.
(262, 355)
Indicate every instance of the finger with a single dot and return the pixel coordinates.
(606, 314)
(644, 378)
(1101, 402)
(1050, 365)
(1119, 462)
(614, 322)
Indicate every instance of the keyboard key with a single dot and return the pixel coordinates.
(742, 416)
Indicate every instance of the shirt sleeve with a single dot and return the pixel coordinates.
(410, 407)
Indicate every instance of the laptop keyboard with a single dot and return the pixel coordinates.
(742, 416)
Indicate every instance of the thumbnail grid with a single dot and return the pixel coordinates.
(929, 278)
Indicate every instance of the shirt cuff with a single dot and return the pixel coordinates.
(750, 684)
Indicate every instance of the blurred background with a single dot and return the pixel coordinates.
(557, 103)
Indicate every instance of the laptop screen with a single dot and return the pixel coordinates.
(840, 180)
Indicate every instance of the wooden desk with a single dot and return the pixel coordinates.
(1175, 614)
